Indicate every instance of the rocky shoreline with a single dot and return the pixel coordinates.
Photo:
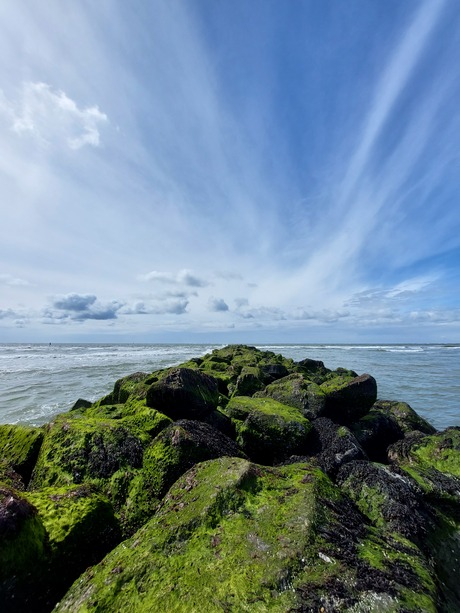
(237, 481)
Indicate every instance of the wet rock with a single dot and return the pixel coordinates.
(387, 497)
(333, 445)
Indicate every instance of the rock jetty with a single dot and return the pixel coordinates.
(237, 481)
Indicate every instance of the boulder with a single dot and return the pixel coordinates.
(183, 393)
(348, 398)
(234, 536)
(266, 430)
(334, 445)
(375, 432)
(404, 415)
(433, 461)
(389, 498)
(47, 539)
(107, 453)
(295, 391)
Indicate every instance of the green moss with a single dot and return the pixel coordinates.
(233, 536)
(335, 382)
(440, 451)
(19, 447)
(229, 534)
(73, 516)
(267, 430)
(77, 450)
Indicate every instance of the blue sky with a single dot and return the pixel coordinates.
(262, 171)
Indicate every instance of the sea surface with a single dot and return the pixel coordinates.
(39, 381)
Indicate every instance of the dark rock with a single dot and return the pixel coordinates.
(333, 445)
(272, 372)
(349, 401)
(81, 404)
(400, 451)
(218, 420)
(405, 416)
(183, 393)
(389, 498)
(375, 432)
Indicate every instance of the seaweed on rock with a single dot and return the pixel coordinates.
(239, 481)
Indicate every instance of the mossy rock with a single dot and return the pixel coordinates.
(249, 381)
(266, 430)
(434, 463)
(404, 415)
(180, 446)
(348, 398)
(296, 391)
(142, 421)
(243, 370)
(132, 386)
(84, 449)
(136, 493)
(234, 536)
(19, 448)
(313, 370)
(22, 536)
(48, 538)
(183, 393)
(444, 543)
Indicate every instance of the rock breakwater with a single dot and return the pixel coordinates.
(237, 481)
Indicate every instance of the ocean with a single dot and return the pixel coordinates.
(38, 381)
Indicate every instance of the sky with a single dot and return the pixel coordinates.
(230, 171)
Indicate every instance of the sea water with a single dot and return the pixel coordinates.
(39, 381)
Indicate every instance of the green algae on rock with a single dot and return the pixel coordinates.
(242, 481)
(19, 447)
(47, 539)
(234, 536)
(268, 431)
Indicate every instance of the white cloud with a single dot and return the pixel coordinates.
(52, 117)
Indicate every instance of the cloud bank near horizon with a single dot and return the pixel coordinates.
(258, 169)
